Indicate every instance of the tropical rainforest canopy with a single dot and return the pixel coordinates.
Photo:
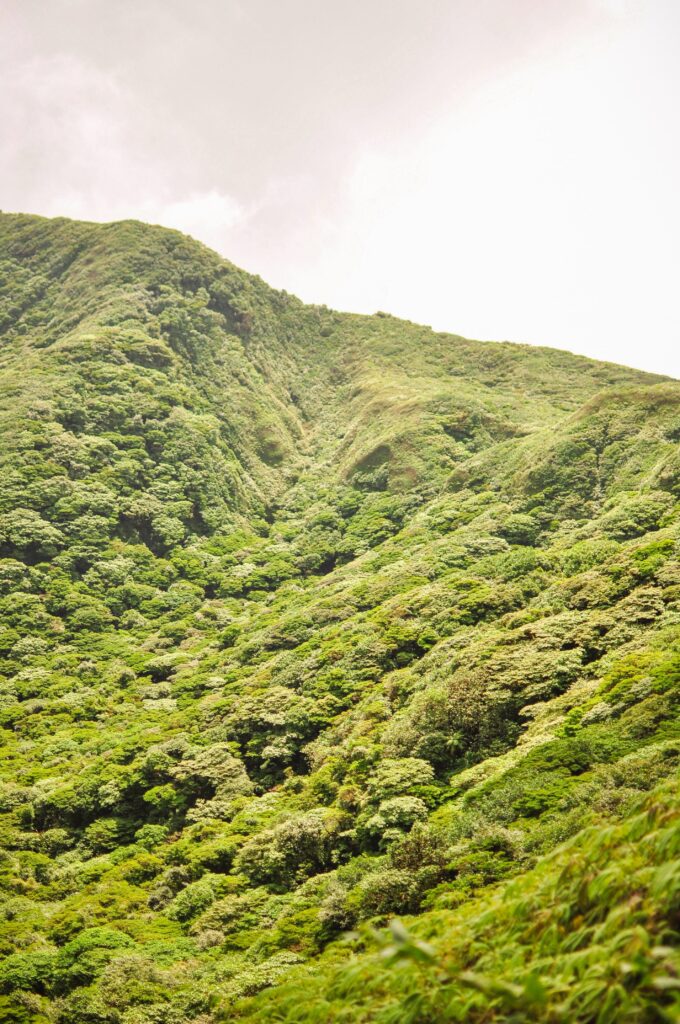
(339, 658)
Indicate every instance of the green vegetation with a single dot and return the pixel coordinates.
(311, 622)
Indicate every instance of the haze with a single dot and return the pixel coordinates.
(503, 169)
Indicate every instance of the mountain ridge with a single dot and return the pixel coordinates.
(28, 220)
(245, 305)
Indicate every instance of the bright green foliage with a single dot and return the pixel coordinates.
(310, 621)
(575, 939)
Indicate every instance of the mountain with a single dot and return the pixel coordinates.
(339, 658)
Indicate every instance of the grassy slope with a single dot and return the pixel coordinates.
(332, 618)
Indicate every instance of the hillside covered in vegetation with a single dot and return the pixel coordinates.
(339, 658)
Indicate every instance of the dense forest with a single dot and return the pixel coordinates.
(339, 658)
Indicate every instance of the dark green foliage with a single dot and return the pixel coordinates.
(309, 620)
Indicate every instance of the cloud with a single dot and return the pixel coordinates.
(209, 216)
(543, 209)
(75, 142)
(64, 127)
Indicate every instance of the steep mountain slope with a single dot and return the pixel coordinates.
(310, 620)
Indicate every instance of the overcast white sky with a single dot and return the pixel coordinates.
(503, 169)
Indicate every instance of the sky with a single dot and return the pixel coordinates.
(501, 169)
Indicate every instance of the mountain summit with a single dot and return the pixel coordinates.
(318, 625)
